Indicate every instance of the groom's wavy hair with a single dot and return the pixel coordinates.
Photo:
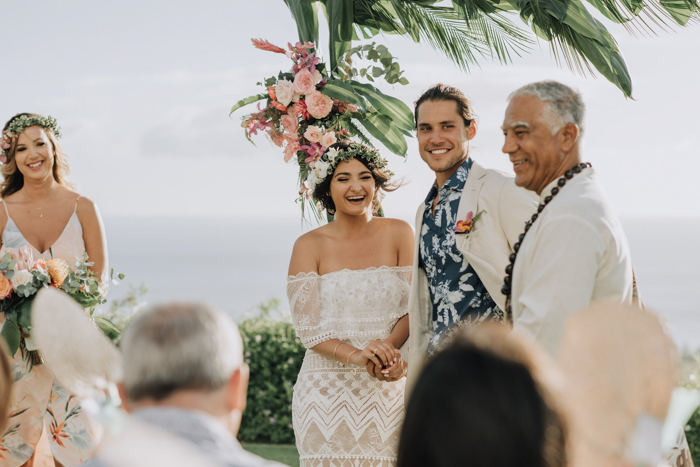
(444, 92)
(13, 178)
(487, 400)
(382, 181)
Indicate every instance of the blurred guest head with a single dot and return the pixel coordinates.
(185, 355)
(542, 128)
(620, 369)
(484, 402)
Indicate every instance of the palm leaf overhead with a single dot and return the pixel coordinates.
(466, 30)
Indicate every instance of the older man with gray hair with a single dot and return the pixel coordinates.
(573, 250)
(184, 376)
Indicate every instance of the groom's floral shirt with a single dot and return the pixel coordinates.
(457, 293)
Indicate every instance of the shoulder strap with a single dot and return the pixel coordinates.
(76, 205)
(6, 211)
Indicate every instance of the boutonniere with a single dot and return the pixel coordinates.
(467, 225)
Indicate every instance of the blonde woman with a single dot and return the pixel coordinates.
(42, 217)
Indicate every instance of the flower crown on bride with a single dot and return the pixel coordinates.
(308, 109)
(21, 123)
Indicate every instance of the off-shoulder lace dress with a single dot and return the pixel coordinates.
(342, 418)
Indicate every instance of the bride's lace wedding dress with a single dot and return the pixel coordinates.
(341, 415)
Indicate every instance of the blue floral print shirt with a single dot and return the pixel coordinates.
(457, 293)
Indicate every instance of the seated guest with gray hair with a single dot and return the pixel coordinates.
(184, 375)
(573, 251)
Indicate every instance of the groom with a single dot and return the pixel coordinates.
(465, 230)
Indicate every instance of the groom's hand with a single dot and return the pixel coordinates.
(375, 370)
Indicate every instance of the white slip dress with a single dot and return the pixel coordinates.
(38, 402)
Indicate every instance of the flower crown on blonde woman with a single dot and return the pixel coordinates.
(21, 123)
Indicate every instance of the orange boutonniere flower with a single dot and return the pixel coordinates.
(467, 225)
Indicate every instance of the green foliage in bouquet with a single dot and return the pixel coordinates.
(20, 286)
(274, 355)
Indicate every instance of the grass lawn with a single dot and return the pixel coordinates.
(284, 453)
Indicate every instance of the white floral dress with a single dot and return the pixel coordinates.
(38, 401)
(343, 417)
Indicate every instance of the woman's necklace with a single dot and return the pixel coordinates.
(41, 208)
(508, 280)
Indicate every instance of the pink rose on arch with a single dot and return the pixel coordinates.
(314, 134)
(291, 150)
(284, 91)
(304, 82)
(290, 123)
(328, 138)
(318, 105)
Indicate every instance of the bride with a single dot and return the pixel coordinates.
(348, 290)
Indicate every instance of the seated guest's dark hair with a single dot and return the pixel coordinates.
(480, 403)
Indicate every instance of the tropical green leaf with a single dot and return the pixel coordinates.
(24, 313)
(337, 89)
(305, 14)
(10, 331)
(609, 63)
(386, 132)
(679, 10)
(400, 113)
(583, 23)
(340, 24)
(246, 101)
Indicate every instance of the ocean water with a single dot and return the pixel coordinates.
(239, 263)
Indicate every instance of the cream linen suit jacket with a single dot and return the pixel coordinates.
(487, 249)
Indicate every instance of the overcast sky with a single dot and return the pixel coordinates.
(142, 91)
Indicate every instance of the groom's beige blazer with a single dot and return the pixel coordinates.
(487, 248)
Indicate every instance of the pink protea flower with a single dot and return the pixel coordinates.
(265, 45)
(300, 110)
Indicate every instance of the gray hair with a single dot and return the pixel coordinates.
(178, 346)
(562, 104)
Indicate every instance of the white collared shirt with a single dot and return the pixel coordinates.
(574, 253)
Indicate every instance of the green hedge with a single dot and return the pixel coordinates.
(274, 355)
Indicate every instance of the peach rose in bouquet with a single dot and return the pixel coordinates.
(304, 82)
(290, 123)
(318, 105)
(313, 134)
(5, 287)
(284, 91)
(328, 139)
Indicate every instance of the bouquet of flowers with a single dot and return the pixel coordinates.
(21, 278)
(309, 109)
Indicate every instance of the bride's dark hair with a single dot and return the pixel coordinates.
(382, 181)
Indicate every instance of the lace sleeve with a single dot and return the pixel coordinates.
(311, 325)
(405, 275)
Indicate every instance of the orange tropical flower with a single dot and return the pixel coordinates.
(464, 226)
(56, 433)
(58, 269)
(265, 45)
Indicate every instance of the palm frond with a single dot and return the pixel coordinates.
(488, 35)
